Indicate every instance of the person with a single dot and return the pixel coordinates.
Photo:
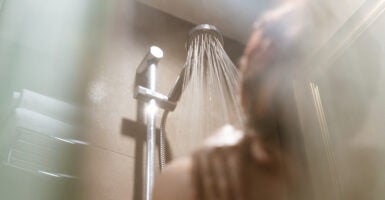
(264, 160)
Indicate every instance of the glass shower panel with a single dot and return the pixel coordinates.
(45, 58)
(342, 113)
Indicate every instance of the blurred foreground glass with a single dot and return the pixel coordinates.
(47, 49)
(341, 108)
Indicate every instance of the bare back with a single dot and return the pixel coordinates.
(226, 172)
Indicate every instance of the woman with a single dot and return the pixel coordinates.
(264, 160)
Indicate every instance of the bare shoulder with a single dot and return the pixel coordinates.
(225, 136)
(175, 182)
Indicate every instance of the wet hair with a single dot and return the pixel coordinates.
(273, 51)
(282, 40)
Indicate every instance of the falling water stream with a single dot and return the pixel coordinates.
(210, 93)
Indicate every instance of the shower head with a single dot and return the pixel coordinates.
(177, 90)
(204, 29)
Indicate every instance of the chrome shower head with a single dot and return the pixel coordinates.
(204, 28)
(176, 92)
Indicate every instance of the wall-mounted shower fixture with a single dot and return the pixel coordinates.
(149, 102)
(206, 57)
(145, 92)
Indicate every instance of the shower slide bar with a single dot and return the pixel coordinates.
(145, 92)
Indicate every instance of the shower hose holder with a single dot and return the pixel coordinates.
(145, 81)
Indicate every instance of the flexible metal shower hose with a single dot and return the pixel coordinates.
(162, 144)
